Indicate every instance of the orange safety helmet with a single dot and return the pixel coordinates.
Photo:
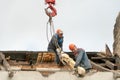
(72, 47)
(59, 31)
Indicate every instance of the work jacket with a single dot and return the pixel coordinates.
(82, 59)
(55, 42)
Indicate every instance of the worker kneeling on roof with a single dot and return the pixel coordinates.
(55, 43)
(80, 57)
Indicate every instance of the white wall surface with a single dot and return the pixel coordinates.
(34, 75)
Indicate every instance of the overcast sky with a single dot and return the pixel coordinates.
(87, 23)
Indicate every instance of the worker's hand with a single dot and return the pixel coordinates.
(62, 52)
(75, 66)
(58, 50)
(75, 71)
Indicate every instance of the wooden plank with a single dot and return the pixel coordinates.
(108, 63)
(46, 57)
(108, 52)
(111, 65)
(102, 64)
(102, 58)
(39, 58)
(98, 67)
(5, 63)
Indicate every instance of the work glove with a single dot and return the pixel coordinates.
(62, 52)
(58, 50)
(75, 66)
(75, 71)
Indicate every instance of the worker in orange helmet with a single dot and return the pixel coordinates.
(56, 43)
(81, 58)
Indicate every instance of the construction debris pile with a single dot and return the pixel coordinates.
(44, 62)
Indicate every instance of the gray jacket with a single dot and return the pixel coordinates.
(82, 59)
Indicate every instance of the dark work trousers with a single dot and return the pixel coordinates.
(57, 59)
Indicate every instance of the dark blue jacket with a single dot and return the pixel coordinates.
(55, 42)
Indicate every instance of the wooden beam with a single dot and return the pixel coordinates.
(108, 52)
(108, 63)
(5, 63)
(102, 64)
(111, 65)
(98, 67)
(102, 58)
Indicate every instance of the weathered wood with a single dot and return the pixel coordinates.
(39, 58)
(102, 64)
(28, 69)
(108, 52)
(108, 63)
(5, 63)
(111, 65)
(98, 67)
(46, 57)
(102, 58)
